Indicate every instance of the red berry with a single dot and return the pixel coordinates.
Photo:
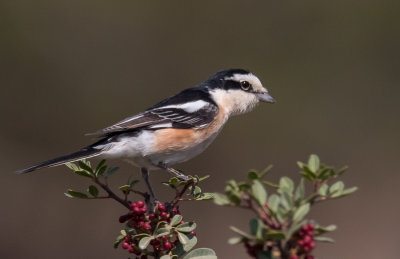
(133, 205)
(136, 210)
(311, 226)
(123, 218)
(125, 245)
(147, 226)
(161, 207)
(307, 239)
(140, 204)
(143, 209)
(300, 242)
(309, 257)
(167, 245)
(152, 216)
(306, 249)
(192, 233)
(164, 215)
(164, 238)
(131, 250)
(311, 244)
(294, 257)
(304, 228)
(310, 233)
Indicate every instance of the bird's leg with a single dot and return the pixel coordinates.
(145, 175)
(175, 172)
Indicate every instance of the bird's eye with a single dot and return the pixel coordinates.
(245, 85)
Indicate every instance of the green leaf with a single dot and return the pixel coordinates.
(349, 191)
(206, 196)
(330, 228)
(300, 164)
(265, 171)
(100, 165)
(125, 187)
(301, 212)
(273, 202)
(72, 166)
(264, 255)
(201, 253)
(181, 249)
(93, 190)
(232, 190)
(324, 239)
(319, 230)
(286, 185)
(313, 163)
(118, 241)
(300, 190)
(235, 240)
(273, 185)
(186, 227)
(286, 201)
(183, 238)
(203, 178)
(257, 228)
(308, 174)
(275, 235)
(242, 233)
(144, 242)
(221, 199)
(252, 176)
(197, 192)
(323, 190)
(85, 165)
(324, 174)
(101, 171)
(336, 189)
(83, 173)
(112, 170)
(259, 192)
(162, 232)
(134, 182)
(74, 194)
(165, 257)
(176, 220)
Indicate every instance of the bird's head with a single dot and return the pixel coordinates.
(237, 90)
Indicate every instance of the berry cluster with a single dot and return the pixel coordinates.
(143, 221)
(305, 241)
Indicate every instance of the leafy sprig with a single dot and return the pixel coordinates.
(152, 228)
(280, 228)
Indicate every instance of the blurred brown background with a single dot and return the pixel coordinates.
(71, 67)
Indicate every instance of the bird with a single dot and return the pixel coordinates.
(175, 129)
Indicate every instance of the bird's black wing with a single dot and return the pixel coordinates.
(192, 108)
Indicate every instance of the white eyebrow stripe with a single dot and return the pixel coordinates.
(187, 107)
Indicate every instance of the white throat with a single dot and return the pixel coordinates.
(234, 102)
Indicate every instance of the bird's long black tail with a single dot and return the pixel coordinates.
(82, 154)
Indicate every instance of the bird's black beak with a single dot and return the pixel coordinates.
(265, 97)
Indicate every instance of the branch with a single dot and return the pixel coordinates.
(111, 194)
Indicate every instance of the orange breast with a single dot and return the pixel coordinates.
(175, 140)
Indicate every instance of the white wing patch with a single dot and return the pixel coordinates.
(187, 107)
(161, 125)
